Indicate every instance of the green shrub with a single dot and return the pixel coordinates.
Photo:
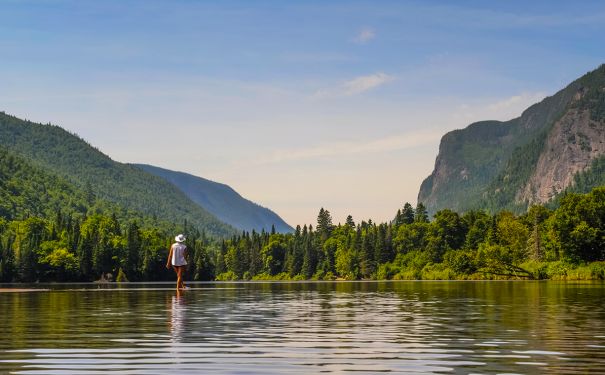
(329, 276)
(590, 271)
(539, 270)
(558, 270)
(385, 271)
(461, 261)
(408, 274)
(226, 276)
(437, 271)
(597, 270)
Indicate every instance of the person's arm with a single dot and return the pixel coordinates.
(169, 257)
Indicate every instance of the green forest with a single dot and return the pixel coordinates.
(44, 156)
(563, 243)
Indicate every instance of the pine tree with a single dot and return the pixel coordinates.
(381, 249)
(221, 267)
(492, 234)
(421, 214)
(350, 222)
(256, 262)
(309, 254)
(367, 253)
(131, 265)
(398, 218)
(324, 224)
(408, 215)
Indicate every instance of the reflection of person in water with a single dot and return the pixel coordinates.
(177, 316)
(177, 258)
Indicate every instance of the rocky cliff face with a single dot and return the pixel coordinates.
(573, 143)
(509, 165)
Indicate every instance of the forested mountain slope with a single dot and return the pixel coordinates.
(222, 201)
(29, 191)
(530, 159)
(52, 149)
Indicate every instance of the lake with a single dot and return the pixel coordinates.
(418, 327)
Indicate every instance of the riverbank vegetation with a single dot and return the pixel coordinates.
(567, 243)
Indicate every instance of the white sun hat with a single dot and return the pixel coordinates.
(180, 238)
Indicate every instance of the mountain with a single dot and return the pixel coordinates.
(59, 153)
(531, 159)
(29, 191)
(222, 201)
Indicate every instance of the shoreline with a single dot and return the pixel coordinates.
(14, 287)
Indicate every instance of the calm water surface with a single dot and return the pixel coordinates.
(306, 328)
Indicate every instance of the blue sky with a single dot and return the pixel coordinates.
(297, 105)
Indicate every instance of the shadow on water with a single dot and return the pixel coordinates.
(262, 328)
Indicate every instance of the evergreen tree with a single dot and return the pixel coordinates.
(408, 214)
(131, 264)
(493, 237)
(367, 252)
(421, 214)
(256, 261)
(295, 252)
(309, 261)
(398, 218)
(324, 224)
(221, 267)
(350, 221)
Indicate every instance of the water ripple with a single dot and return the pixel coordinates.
(307, 328)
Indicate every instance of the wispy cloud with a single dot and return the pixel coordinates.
(516, 100)
(500, 109)
(365, 35)
(356, 85)
(348, 148)
(365, 83)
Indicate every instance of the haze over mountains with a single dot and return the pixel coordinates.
(554, 146)
(61, 165)
(222, 201)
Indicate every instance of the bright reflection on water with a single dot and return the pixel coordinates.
(306, 328)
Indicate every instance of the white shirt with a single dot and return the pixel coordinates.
(178, 254)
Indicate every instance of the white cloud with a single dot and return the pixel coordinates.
(365, 35)
(365, 83)
(356, 85)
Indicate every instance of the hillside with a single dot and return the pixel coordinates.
(530, 159)
(29, 191)
(222, 201)
(54, 150)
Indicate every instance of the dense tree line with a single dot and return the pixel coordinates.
(95, 247)
(568, 242)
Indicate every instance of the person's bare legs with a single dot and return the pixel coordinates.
(179, 277)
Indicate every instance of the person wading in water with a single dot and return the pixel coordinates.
(177, 257)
